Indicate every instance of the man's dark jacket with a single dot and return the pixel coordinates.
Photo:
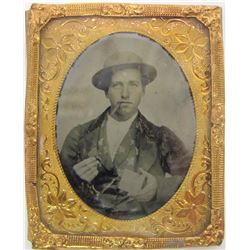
(156, 150)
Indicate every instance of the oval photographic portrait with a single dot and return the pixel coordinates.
(125, 126)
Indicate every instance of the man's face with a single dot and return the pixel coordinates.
(125, 93)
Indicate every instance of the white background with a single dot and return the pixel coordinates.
(12, 207)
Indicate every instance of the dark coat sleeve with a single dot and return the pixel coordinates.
(175, 158)
(175, 161)
(69, 155)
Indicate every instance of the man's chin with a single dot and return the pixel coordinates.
(125, 115)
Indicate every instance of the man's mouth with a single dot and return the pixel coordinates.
(125, 102)
(118, 105)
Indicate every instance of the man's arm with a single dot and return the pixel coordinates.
(175, 161)
(69, 155)
(175, 158)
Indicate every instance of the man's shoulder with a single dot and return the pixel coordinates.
(167, 133)
(90, 125)
(165, 138)
(146, 127)
(153, 131)
(83, 128)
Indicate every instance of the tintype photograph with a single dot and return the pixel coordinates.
(125, 126)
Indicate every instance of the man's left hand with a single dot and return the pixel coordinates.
(148, 192)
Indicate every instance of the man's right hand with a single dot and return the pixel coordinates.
(87, 169)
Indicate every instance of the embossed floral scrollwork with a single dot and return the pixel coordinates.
(212, 235)
(194, 205)
(59, 49)
(121, 9)
(193, 45)
(218, 123)
(40, 15)
(201, 181)
(210, 16)
(45, 90)
(49, 180)
(124, 242)
(201, 69)
(56, 51)
(169, 223)
(30, 125)
(183, 37)
(41, 236)
(60, 207)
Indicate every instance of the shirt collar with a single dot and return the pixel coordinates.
(114, 121)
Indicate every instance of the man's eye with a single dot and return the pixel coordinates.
(116, 84)
(133, 84)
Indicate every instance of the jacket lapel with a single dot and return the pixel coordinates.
(102, 146)
(127, 144)
(147, 154)
(89, 141)
(146, 144)
(88, 146)
(136, 149)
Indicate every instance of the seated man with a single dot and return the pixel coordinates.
(121, 164)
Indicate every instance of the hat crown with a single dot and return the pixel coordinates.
(122, 57)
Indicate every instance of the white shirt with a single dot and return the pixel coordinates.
(116, 131)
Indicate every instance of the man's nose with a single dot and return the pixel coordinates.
(125, 92)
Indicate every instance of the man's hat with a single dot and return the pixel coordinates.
(122, 60)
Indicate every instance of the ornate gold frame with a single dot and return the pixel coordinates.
(56, 35)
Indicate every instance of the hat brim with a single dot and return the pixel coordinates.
(102, 78)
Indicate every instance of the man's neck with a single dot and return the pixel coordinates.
(120, 118)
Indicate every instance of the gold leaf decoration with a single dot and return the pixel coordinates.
(201, 181)
(41, 236)
(193, 207)
(40, 15)
(212, 235)
(122, 9)
(218, 123)
(123, 242)
(60, 210)
(45, 90)
(193, 44)
(170, 223)
(60, 207)
(57, 50)
(30, 125)
(49, 180)
(209, 16)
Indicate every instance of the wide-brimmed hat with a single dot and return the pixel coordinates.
(122, 60)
